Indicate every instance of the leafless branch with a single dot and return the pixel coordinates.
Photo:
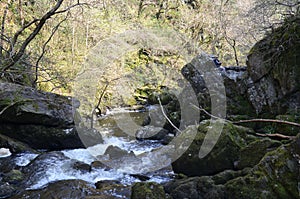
(167, 118)
(44, 48)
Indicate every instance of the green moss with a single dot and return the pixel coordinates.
(147, 190)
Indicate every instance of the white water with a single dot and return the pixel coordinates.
(54, 169)
(4, 152)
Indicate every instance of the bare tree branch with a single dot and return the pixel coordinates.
(167, 118)
(44, 49)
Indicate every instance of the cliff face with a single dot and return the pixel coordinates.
(274, 71)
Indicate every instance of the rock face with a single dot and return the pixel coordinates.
(41, 120)
(274, 73)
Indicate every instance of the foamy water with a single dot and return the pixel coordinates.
(55, 169)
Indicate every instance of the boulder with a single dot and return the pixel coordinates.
(151, 133)
(273, 85)
(41, 120)
(231, 77)
(13, 145)
(26, 105)
(113, 189)
(75, 189)
(235, 149)
(275, 176)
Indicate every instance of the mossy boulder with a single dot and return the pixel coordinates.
(236, 148)
(147, 190)
(274, 73)
(276, 176)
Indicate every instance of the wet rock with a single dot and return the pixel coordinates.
(151, 133)
(167, 139)
(81, 166)
(26, 105)
(147, 190)
(13, 177)
(117, 158)
(35, 170)
(113, 189)
(231, 77)
(99, 165)
(140, 177)
(40, 119)
(104, 183)
(222, 157)
(7, 190)
(115, 152)
(75, 189)
(195, 188)
(276, 175)
(43, 137)
(7, 164)
(13, 145)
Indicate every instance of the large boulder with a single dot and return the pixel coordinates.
(231, 77)
(26, 105)
(276, 175)
(236, 148)
(13, 145)
(274, 73)
(40, 119)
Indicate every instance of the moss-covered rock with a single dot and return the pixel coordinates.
(224, 154)
(236, 148)
(276, 176)
(274, 73)
(147, 190)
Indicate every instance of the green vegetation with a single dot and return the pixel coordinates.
(45, 44)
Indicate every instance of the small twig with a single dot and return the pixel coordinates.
(167, 118)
